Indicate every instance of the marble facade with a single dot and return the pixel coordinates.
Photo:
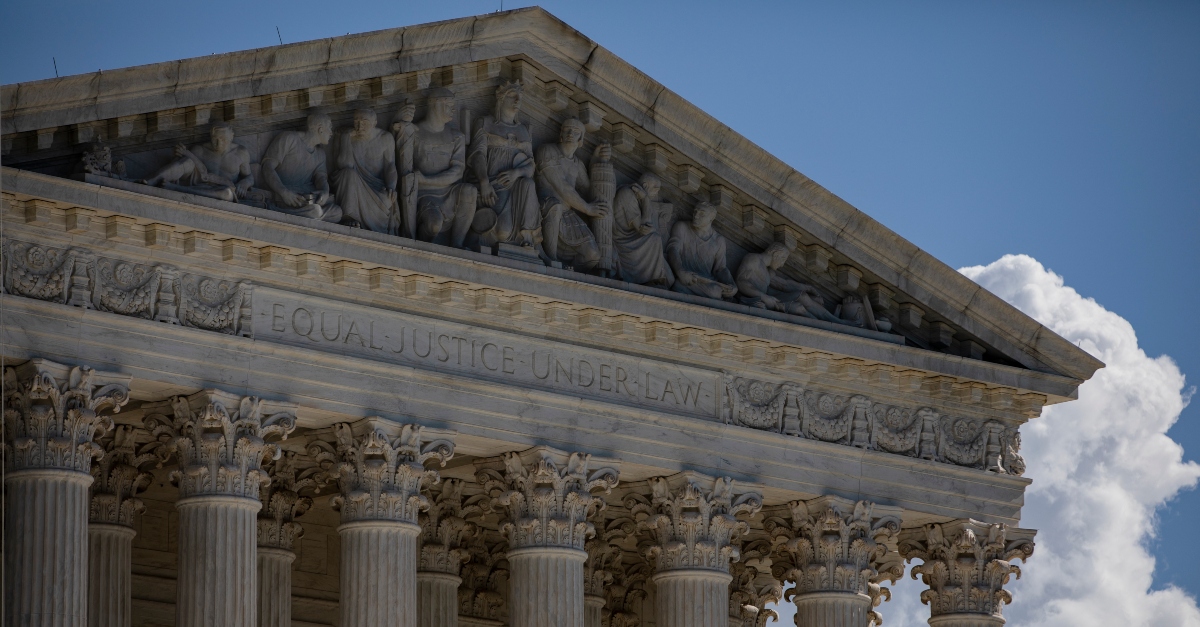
(472, 323)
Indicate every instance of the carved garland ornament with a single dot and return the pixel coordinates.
(77, 277)
(857, 421)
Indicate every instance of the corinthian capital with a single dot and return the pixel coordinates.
(282, 501)
(966, 564)
(220, 440)
(547, 494)
(831, 544)
(380, 467)
(52, 414)
(753, 587)
(693, 520)
(119, 476)
(445, 530)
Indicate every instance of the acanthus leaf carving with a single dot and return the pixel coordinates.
(120, 475)
(753, 586)
(837, 545)
(485, 578)
(694, 522)
(220, 441)
(966, 564)
(446, 530)
(52, 415)
(282, 498)
(547, 495)
(380, 467)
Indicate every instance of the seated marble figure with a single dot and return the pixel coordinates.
(365, 180)
(219, 169)
(637, 213)
(436, 205)
(562, 183)
(501, 165)
(696, 254)
(294, 174)
(759, 273)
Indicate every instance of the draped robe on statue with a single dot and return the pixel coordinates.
(359, 183)
(507, 146)
(640, 254)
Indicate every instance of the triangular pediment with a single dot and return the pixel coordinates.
(141, 113)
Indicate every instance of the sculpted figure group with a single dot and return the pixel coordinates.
(429, 180)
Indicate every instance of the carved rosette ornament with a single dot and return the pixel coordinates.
(51, 423)
(966, 565)
(693, 520)
(837, 552)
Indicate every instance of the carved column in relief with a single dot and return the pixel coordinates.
(219, 441)
(836, 552)
(381, 470)
(693, 521)
(966, 564)
(547, 495)
(118, 479)
(51, 422)
(444, 535)
(282, 504)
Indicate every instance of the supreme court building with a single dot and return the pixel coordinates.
(472, 323)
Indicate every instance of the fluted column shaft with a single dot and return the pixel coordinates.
(832, 609)
(218, 551)
(546, 587)
(110, 565)
(593, 611)
(275, 587)
(46, 548)
(692, 598)
(437, 599)
(966, 620)
(379, 565)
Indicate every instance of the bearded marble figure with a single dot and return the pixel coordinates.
(219, 169)
(637, 213)
(502, 167)
(696, 253)
(365, 181)
(562, 183)
(294, 174)
(759, 273)
(436, 205)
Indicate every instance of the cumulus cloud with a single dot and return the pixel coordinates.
(1101, 467)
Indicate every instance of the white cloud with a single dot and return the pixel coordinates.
(1101, 467)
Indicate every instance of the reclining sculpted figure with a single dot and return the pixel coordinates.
(219, 169)
(759, 272)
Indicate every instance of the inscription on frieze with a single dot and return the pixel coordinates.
(477, 352)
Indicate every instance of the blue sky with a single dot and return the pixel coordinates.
(1068, 131)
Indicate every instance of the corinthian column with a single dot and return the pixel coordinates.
(837, 552)
(118, 479)
(444, 535)
(603, 559)
(547, 495)
(693, 521)
(51, 422)
(219, 441)
(966, 564)
(282, 504)
(381, 469)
